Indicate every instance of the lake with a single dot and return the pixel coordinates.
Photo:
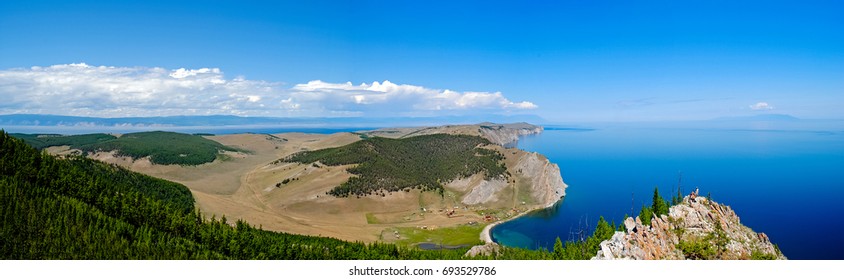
(788, 184)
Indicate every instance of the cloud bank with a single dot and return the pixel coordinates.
(761, 106)
(105, 91)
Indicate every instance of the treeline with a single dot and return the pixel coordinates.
(421, 162)
(77, 208)
(41, 141)
(162, 147)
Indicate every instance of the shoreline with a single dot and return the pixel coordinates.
(486, 237)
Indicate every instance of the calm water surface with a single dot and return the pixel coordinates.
(788, 184)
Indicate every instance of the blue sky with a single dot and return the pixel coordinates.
(566, 62)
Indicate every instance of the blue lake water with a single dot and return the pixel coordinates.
(787, 184)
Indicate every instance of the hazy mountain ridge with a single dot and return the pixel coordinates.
(230, 120)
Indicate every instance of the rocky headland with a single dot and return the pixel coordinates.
(697, 228)
(546, 182)
(503, 134)
(251, 186)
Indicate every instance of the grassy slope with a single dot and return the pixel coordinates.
(450, 236)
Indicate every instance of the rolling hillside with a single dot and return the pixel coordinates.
(162, 147)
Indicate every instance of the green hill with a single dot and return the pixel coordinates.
(41, 141)
(423, 162)
(162, 147)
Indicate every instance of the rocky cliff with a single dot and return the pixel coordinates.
(503, 134)
(500, 134)
(697, 228)
(547, 186)
(544, 182)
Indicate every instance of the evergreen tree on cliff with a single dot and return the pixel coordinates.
(659, 205)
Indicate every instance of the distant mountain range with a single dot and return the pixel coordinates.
(228, 120)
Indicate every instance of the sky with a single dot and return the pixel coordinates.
(565, 61)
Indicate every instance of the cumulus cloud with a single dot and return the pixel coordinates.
(387, 94)
(85, 90)
(183, 73)
(761, 106)
(105, 91)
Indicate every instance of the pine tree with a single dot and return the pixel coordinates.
(659, 206)
(645, 215)
(558, 249)
(604, 230)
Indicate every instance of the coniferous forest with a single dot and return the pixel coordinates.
(424, 162)
(78, 208)
(160, 146)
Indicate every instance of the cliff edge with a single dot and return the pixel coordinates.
(503, 134)
(697, 228)
(546, 181)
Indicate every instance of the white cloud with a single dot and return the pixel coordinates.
(761, 106)
(84, 90)
(182, 73)
(104, 91)
(387, 94)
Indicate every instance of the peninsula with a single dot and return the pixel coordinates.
(258, 179)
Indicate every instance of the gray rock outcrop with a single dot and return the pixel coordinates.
(694, 229)
(487, 249)
(485, 191)
(547, 186)
(503, 134)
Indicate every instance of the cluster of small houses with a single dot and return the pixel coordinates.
(452, 213)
